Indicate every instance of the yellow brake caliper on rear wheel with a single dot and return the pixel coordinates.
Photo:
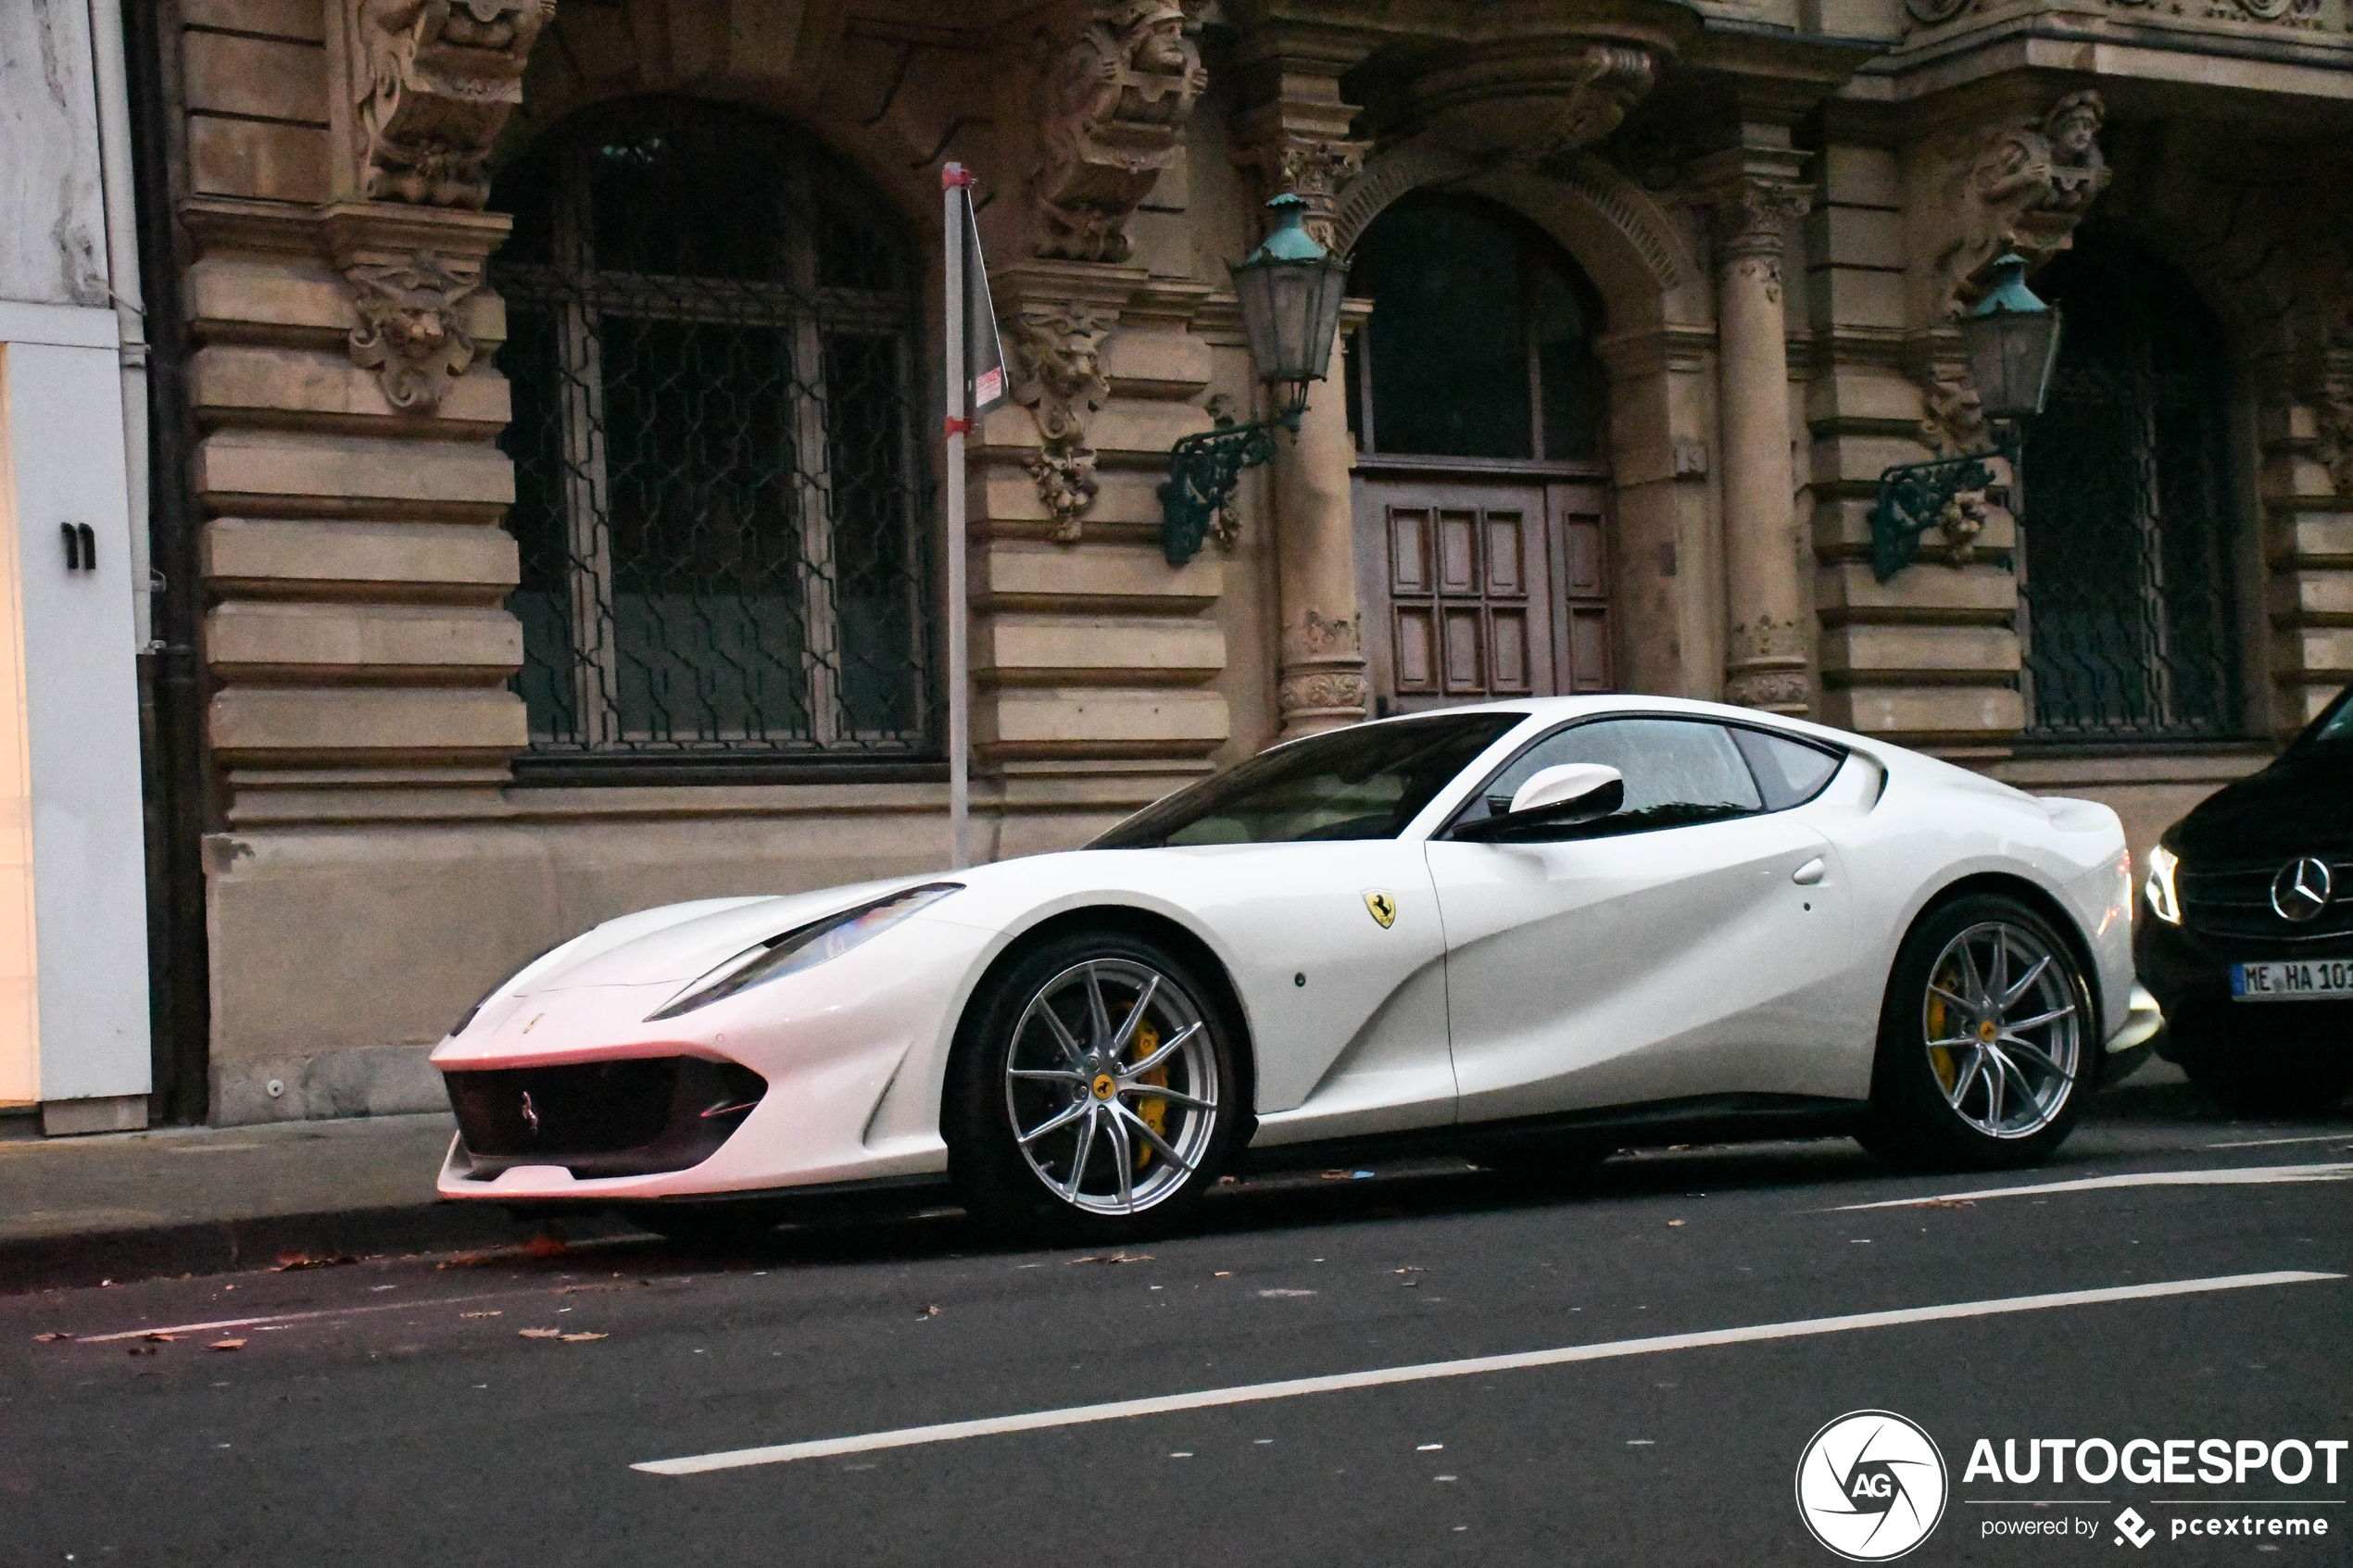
(1153, 1113)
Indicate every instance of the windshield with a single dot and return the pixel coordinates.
(1365, 782)
(2337, 724)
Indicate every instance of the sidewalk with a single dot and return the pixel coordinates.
(203, 1199)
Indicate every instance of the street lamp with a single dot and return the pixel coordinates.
(1291, 290)
(2012, 340)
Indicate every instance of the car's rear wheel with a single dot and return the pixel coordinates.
(1093, 1094)
(1986, 1041)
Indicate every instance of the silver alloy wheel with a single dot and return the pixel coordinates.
(1112, 1085)
(2005, 1029)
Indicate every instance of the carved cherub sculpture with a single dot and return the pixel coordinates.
(1110, 108)
(2026, 190)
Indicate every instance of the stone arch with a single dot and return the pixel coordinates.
(1617, 233)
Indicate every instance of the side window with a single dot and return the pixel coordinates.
(1789, 772)
(1677, 772)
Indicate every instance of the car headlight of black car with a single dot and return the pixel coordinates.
(804, 948)
(2165, 903)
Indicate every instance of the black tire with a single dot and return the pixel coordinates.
(2283, 1081)
(1027, 1191)
(1937, 1109)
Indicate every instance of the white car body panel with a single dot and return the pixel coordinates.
(1589, 973)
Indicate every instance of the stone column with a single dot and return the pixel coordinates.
(1322, 684)
(1764, 594)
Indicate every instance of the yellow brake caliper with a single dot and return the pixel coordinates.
(1940, 1058)
(1153, 1113)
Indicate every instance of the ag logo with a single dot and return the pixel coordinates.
(1383, 906)
(1870, 1486)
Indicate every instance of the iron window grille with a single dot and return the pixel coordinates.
(2128, 607)
(713, 340)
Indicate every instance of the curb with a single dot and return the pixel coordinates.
(211, 1247)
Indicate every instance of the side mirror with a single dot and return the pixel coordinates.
(1561, 796)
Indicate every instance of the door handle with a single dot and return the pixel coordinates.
(1810, 873)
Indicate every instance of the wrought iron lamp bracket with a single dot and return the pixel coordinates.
(1913, 499)
(1203, 470)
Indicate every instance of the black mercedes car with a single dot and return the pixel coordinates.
(2249, 943)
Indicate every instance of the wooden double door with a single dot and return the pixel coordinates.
(1477, 588)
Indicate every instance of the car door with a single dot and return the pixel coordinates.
(1679, 948)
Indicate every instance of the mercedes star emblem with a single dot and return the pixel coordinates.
(2301, 890)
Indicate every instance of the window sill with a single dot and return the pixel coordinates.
(543, 771)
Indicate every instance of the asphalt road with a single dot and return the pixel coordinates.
(410, 1421)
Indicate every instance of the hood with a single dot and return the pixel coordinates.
(2298, 806)
(680, 942)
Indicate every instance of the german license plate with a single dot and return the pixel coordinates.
(2291, 980)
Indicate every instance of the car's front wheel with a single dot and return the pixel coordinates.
(1986, 1041)
(1093, 1095)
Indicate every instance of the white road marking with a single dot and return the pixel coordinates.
(2244, 1175)
(951, 1431)
(2274, 1142)
(282, 1318)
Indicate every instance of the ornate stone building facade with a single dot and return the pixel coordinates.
(553, 426)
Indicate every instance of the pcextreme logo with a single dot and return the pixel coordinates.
(1872, 1486)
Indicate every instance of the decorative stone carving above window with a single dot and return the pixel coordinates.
(434, 81)
(1112, 108)
(1060, 379)
(410, 331)
(1311, 170)
(2026, 187)
(1533, 101)
(2307, 16)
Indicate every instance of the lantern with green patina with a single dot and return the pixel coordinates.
(2012, 341)
(1290, 290)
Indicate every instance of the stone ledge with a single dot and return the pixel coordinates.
(304, 558)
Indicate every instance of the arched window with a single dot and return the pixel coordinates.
(713, 342)
(1481, 339)
(2129, 535)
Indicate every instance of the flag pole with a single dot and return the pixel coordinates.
(952, 182)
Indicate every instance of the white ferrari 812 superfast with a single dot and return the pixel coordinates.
(1533, 933)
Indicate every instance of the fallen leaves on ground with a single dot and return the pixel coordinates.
(45, 1338)
(160, 1338)
(546, 1247)
(929, 1312)
(1223, 1274)
(1673, 1223)
(490, 1315)
(288, 1262)
(581, 1338)
(1115, 1258)
(226, 1345)
(541, 1333)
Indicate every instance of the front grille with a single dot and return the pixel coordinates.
(600, 1119)
(2237, 901)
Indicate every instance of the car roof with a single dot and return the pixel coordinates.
(1553, 709)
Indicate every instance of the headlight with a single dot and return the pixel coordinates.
(805, 947)
(2164, 903)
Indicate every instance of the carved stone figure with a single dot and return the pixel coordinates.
(1960, 522)
(409, 330)
(1112, 108)
(438, 80)
(1519, 108)
(2025, 190)
(2335, 447)
(1059, 379)
(1329, 691)
(1956, 422)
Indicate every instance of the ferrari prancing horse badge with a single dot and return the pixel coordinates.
(1383, 906)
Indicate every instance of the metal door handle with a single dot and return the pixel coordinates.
(1810, 873)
